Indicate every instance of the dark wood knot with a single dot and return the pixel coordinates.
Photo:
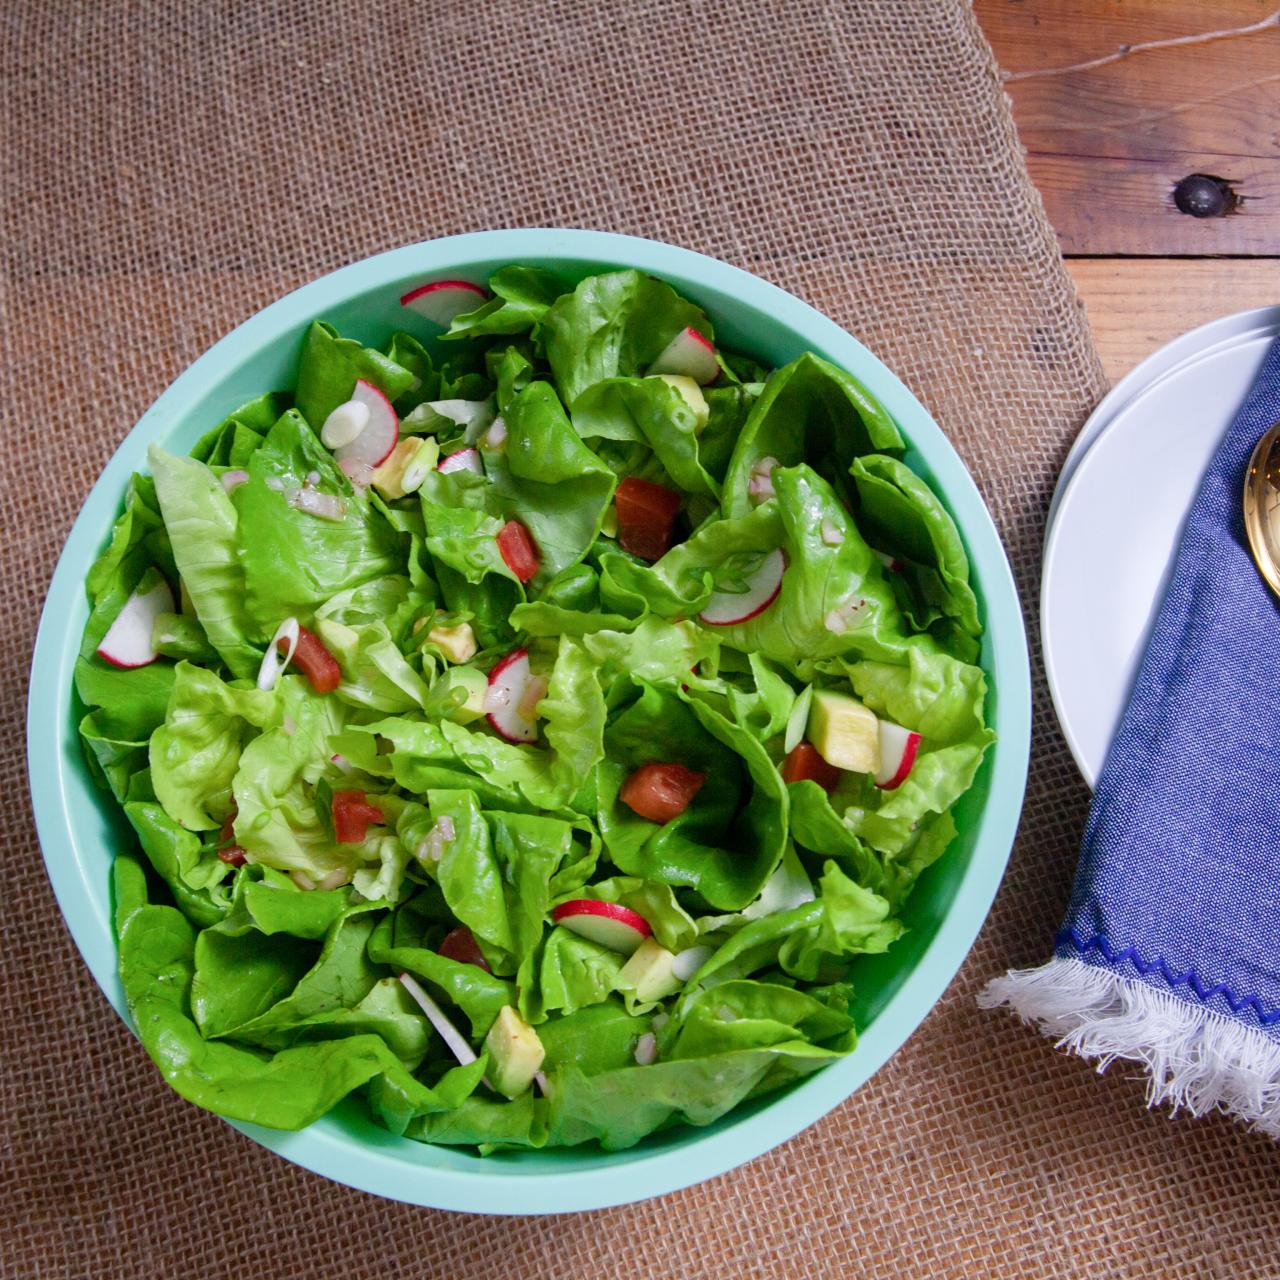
(1202, 195)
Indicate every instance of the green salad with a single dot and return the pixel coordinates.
(526, 722)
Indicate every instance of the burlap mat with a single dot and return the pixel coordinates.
(167, 169)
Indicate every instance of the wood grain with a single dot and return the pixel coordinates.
(1136, 306)
(1106, 145)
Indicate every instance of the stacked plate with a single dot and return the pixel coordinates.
(1118, 512)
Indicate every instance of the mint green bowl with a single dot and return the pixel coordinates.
(79, 829)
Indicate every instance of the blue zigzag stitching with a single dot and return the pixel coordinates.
(1189, 979)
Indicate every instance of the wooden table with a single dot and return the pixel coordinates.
(1115, 107)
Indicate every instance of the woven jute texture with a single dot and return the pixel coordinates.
(170, 167)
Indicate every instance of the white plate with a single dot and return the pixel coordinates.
(1118, 511)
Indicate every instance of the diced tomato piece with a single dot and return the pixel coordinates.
(228, 832)
(352, 816)
(805, 763)
(661, 792)
(646, 515)
(233, 855)
(516, 545)
(461, 945)
(314, 661)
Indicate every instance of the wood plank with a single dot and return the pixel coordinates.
(1137, 305)
(1106, 145)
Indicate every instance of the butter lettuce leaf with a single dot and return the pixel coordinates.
(294, 561)
(902, 515)
(196, 751)
(613, 324)
(521, 297)
(331, 366)
(809, 411)
(284, 1090)
(651, 412)
(203, 530)
(730, 839)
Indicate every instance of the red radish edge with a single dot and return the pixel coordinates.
(462, 460)
(689, 353)
(508, 683)
(376, 443)
(127, 643)
(725, 609)
(441, 300)
(608, 923)
(898, 750)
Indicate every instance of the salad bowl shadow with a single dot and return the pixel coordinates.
(896, 990)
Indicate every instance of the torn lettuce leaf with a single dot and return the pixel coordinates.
(613, 325)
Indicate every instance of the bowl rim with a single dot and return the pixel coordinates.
(379, 1169)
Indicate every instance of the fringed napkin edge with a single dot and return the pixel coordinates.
(1196, 1059)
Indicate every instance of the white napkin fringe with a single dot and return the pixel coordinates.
(1195, 1058)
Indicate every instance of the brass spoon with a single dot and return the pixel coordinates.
(1262, 506)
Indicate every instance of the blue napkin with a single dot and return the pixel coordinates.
(1170, 952)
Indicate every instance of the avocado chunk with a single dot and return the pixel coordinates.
(515, 1053)
(649, 972)
(844, 732)
(458, 644)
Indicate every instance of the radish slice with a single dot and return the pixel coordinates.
(441, 300)
(508, 692)
(898, 750)
(689, 961)
(894, 566)
(374, 445)
(690, 354)
(450, 1034)
(342, 764)
(798, 721)
(273, 661)
(128, 640)
(234, 479)
(763, 584)
(359, 473)
(608, 923)
(463, 460)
